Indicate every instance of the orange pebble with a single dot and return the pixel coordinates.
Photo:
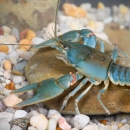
(23, 34)
(10, 86)
(58, 128)
(74, 11)
(30, 35)
(4, 48)
(26, 42)
(7, 65)
(104, 121)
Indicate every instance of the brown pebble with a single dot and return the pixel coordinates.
(15, 72)
(74, 11)
(7, 65)
(104, 121)
(26, 42)
(58, 128)
(10, 86)
(30, 35)
(4, 48)
(23, 33)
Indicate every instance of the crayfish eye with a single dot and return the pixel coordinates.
(65, 47)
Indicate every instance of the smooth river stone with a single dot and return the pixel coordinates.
(44, 65)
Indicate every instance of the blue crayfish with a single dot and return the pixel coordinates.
(94, 64)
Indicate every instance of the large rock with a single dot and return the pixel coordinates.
(44, 65)
(31, 13)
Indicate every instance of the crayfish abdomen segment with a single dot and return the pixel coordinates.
(119, 74)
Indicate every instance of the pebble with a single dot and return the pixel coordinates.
(56, 116)
(7, 74)
(4, 49)
(74, 11)
(30, 35)
(10, 110)
(32, 113)
(43, 111)
(51, 112)
(20, 66)
(18, 79)
(2, 39)
(80, 121)
(4, 126)
(6, 29)
(26, 42)
(2, 107)
(108, 20)
(11, 39)
(37, 40)
(6, 116)
(21, 122)
(123, 9)
(15, 32)
(25, 55)
(19, 114)
(1, 31)
(7, 65)
(16, 128)
(10, 85)
(100, 5)
(11, 100)
(23, 33)
(74, 129)
(90, 127)
(125, 127)
(7, 92)
(51, 124)
(86, 6)
(63, 124)
(39, 121)
(2, 56)
(31, 128)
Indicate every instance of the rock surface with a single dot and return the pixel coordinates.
(44, 65)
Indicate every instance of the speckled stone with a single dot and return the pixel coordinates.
(21, 122)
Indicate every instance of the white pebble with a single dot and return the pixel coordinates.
(31, 128)
(18, 79)
(56, 116)
(125, 127)
(108, 20)
(32, 113)
(6, 116)
(99, 27)
(10, 110)
(7, 92)
(15, 32)
(39, 121)
(74, 129)
(90, 127)
(37, 40)
(25, 55)
(1, 73)
(24, 83)
(2, 56)
(4, 126)
(6, 29)
(86, 6)
(51, 112)
(16, 128)
(1, 69)
(7, 74)
(19, 114)
(13, 55)
(2, 39)
(7, 81)
(17, 86)
(80, 121)
(43, 111)
(52, 124)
